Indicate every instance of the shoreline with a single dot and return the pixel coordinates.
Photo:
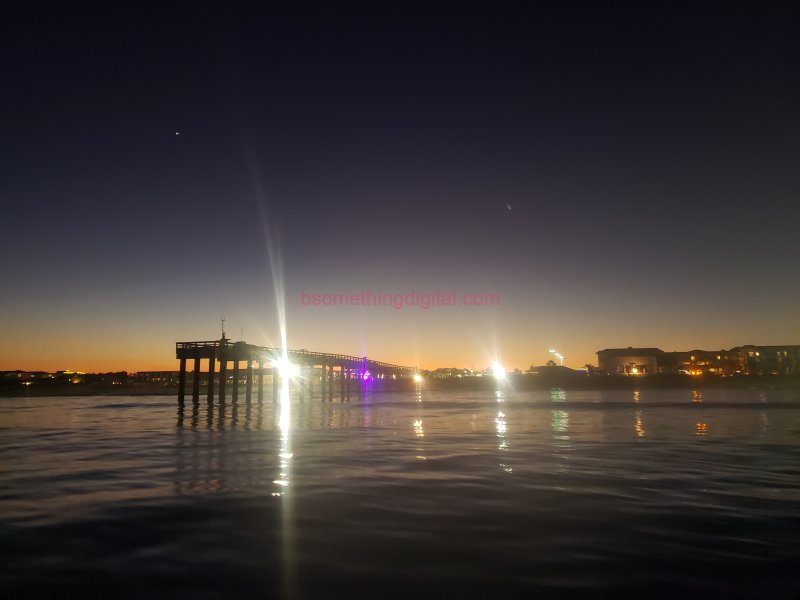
(516, 382)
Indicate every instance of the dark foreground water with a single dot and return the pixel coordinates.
(406, 495)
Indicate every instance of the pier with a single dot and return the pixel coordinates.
(231, 365)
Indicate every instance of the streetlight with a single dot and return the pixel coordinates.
(286, 369)
(498, 371)
(560, 357)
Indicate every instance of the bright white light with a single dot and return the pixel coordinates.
(498, 371)
(559, 356)
(286, 369)
(417, 377)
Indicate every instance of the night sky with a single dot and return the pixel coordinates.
(649, 154)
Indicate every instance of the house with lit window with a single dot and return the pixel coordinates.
(770, 360)
(742, 360)
(629, 361)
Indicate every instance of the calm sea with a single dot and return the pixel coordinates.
(403, 495)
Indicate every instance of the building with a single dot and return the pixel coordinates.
(778, 360)
(742, 360)
(630, 361)
(157, 377)
(451, 373)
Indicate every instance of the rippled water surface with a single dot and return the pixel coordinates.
(446, 494)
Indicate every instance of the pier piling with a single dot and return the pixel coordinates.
(235, 392)
(211, 365)
(249, 389)
(182, 380)
(260, 382)
(196, 379)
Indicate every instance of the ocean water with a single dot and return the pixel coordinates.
(660, 493)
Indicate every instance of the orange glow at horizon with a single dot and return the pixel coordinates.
(94, 339)
(110, 355)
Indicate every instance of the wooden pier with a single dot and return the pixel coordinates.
(317, 373)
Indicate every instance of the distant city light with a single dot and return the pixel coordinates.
(417, 377)
(498, 371)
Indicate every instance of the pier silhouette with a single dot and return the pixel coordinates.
(316, 372)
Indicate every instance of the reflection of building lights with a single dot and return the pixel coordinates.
(418, 431)
(701, 429)
(560, 418)
(500, 422)
(498, 371)
(502, 429)
(284, 425)
(560, 422)
(639, 427)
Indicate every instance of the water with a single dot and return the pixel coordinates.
(448, 494)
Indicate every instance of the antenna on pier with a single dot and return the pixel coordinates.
(222, 323)
(241, 337)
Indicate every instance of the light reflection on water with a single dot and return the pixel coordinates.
(502, 429)
(588, 482)
(418, 426)
(285, 492)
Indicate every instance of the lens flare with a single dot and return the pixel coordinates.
(286, 369)
(498, 371)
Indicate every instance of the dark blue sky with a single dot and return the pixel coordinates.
(649, 153)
